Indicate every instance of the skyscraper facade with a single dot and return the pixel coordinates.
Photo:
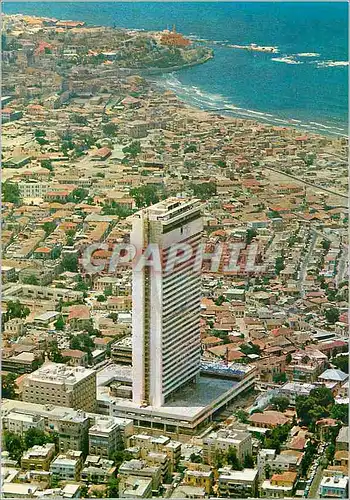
(166, 299)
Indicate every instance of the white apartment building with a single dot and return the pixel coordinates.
(283, 462)
(104, 436)
(19, 423)
(67, 467)
(141, 468)
(61, 385)
(166, 300)
(238, 483)
(33, 189)
(223, 439)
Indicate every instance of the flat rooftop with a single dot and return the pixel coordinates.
(187, 404)
(171, 208)
(57, 373)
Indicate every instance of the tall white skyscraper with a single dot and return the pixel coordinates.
(166, 300)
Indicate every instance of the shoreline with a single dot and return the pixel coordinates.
(302, 127)
(235, 114)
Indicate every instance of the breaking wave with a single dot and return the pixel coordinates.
(193, 95)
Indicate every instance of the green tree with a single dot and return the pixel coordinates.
(288, 358)
(220, 300)
(81, 286)
(30, 280)
(275, 437)
(309, 453)
(251, 233)
(11, 193)
(250, 349)
(79, 119)
(47, 164)
(13, 443)
(340, 412)
(242, 416)
(279, 265)
(221, 163)
(315, 406)
(326, 245)
(60, 324)
(341, 362)
(79, 194)
(8, 386)
(53, 352)
(204, 191)
(33, 437)
(83, 342)
(119, 456)
(332, 315)
(133, 149)
(248, 462)
(280, 403)
(110, 129)
(279, 377)
(70, 263)
(101, 298)
(219, 459)
(191, 148)
(39, 133)
(49, 227)
(195, 458)
(113, 487)
(267, 471)
(116, 209)
(232, 459)
(16, 310)
(42, 141)
(145, 195)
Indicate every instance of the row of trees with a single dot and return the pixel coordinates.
(319, 404)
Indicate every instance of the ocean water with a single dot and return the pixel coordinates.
(288, 88)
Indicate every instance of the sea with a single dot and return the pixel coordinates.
(304, 84)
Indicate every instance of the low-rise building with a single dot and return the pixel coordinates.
(72, 430)
(200, 476)
(223, 439)
(283, 462)
(24, 362)
(293, 389)
(238, 484)
(140, 468)
(334, 487)
(341, 458)
(97, 470)
(342, 440)
(268, 419)
(104, 436)
(18, 490)
(135, 487)
(186, 491)
(19, 423)
(38, 457)
(279, 486)
(159, 444)
(306, 365)
(67, 467)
